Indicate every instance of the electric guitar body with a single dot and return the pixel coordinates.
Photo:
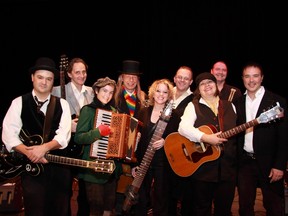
(14, 163)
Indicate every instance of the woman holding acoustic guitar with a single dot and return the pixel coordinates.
(214, 180)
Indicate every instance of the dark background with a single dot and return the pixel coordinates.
(162, 36)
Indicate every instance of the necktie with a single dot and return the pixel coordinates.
(39, 104)
(130, 101)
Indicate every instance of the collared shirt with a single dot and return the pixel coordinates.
(188, 119)
(12, 123)
(182, 97)
(80, 96)
(252, 107)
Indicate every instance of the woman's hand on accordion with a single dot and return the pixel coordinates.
(104, 130)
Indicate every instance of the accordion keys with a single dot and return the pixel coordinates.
(121, 143)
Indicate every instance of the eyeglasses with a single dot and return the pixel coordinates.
(186, 79)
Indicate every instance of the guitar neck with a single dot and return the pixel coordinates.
(148, 156)
(62, 84)
(106, 166)
(239, 129)
(132, 193)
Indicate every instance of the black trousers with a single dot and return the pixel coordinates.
(49, 192)
(154, 192)
(249, 178)
(199, 196)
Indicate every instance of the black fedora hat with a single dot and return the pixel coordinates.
(44, 63)
(203, 76)
(130, 67)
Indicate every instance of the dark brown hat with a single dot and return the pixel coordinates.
(44, 63)
(203, 76)
(130, 67)
(101, 82)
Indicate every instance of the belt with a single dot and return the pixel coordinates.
(250, 155)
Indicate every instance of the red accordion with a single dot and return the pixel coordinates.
(122, 141)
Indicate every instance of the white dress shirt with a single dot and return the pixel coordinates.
(12, 124)
(252, 107)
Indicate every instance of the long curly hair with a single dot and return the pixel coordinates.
(153, 88)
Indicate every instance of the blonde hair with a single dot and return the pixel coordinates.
(153, 89)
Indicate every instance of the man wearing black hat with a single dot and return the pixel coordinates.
(129, 98)
(213, 180)
(37, 123)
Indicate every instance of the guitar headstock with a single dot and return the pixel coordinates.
(165, 115)
(63, 63)
(275, 112)
(63, 68)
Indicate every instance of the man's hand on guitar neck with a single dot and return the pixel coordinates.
(213, 139)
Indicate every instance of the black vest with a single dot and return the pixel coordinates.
(33, 122)
(223, 168)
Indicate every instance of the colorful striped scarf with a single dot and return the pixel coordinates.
(130, 101)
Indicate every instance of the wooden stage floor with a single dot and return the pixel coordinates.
(259, 210)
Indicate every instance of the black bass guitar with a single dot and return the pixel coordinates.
(14, 163)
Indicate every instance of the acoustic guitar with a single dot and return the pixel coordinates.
(185, 156)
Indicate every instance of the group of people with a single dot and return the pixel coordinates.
(250, 156)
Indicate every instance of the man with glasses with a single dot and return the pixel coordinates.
(183, 80)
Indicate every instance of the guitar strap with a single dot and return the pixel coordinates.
(49, 118)
(220, 118)
(221, 115)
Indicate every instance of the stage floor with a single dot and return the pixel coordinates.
(259, 210)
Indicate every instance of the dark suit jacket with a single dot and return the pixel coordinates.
(270, 140)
